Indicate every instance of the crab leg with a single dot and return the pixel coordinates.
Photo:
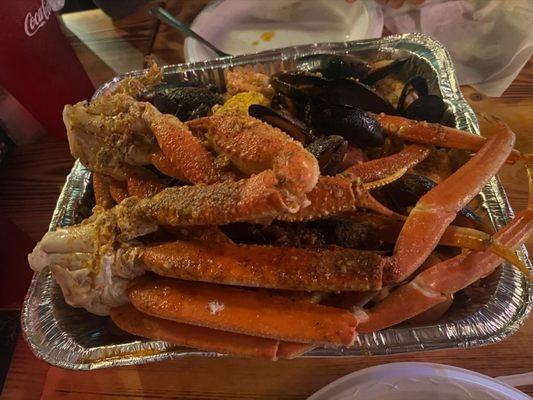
(289, 350)
(340, 193)
(101, 191)
(253, 146)
(454, 236)
(133, 321)
(145, 185)
(382, 168)
(163, 164)
(437, 208)
(242, 311)
(188, 157)
(434, 285)
(118, 190)
(434, 134)
(267, 266)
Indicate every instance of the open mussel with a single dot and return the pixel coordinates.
(355, 94)
(185, 100)
(284, 103)
(335, 66)
(329, 152)
(425, 106)
(384, 69)
(284, 121)
(303, 86)
(353, 124)
(298, 85)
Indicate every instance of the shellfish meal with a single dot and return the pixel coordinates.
(288, 212)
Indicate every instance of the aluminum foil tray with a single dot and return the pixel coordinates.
(73, 338)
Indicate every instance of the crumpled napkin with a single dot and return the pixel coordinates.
(489, 40)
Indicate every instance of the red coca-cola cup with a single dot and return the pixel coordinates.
(37, 64)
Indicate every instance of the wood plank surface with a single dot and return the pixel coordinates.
(30, 181)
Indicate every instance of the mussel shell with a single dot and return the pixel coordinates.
(426, 107)
(335, 66)
(353, 124)
(284, 103)
(186, 102)
(329, 152)
(430, 108)
(417, 84)
(355, 94)
(407, 190)
(282, 120)
(298, 85)
(386, 70)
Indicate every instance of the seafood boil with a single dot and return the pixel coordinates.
(273, 218)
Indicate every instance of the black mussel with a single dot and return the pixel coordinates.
(329, 152)
(185, 102)
(285, 103)
(282, 120)
(384, 69)
(298, 85)
(352, 93)
(407, 190)
(417, 86)
(429, 108)
(353, 124)
(335, 66)
(425, 106)
(302, 87)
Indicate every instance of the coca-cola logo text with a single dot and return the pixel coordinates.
(35, 21)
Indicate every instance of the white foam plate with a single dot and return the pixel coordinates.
(417, 381)
(250, 26)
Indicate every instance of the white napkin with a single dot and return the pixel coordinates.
(489, 40)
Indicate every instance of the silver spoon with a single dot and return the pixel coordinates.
(165, 16)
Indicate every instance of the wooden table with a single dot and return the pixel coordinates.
(30, 182)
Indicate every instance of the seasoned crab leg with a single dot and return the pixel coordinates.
(242, 311)
(163, 164)
(437, 208)
(434, 134)
(133, 321)
(145, 185)
(382, 168)
(102, 195)
(289, 350)
(437, 283)
(267, 266)
(255, 147)
(184, 151)
(348, 189)
(118, 190)
(454, 236)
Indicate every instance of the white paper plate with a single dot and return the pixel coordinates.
(417, 381)
(250, 26)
